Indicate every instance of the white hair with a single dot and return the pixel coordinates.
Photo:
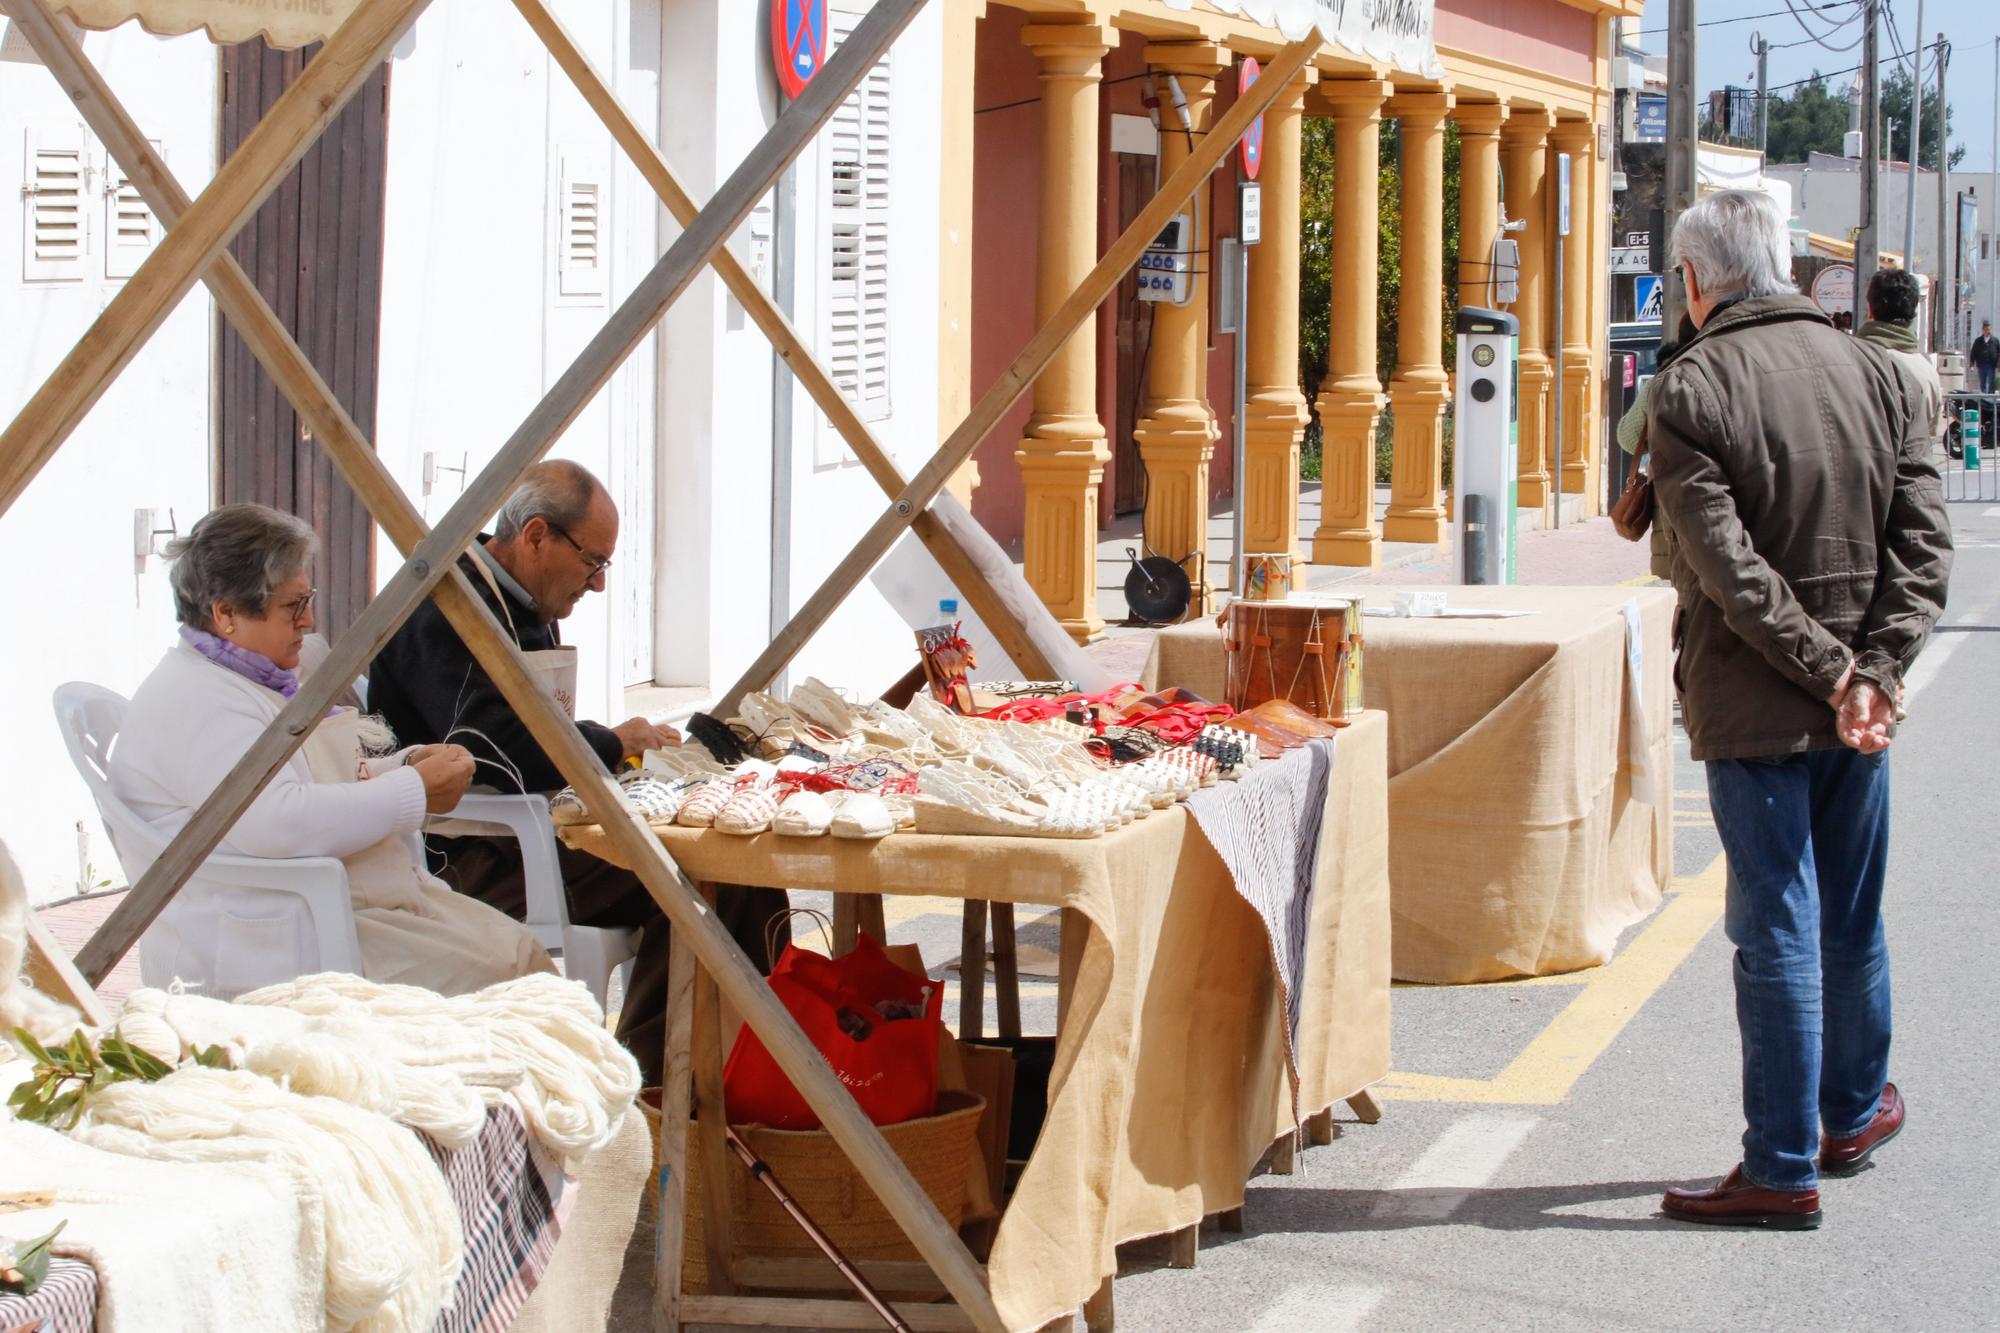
(557, 491)
(1738, 244)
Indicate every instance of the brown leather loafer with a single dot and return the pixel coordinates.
(1738, 1203)
(1843, 1157)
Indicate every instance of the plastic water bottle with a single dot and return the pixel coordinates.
(947, 610)
(1969, 435)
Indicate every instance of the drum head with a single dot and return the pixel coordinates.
(1157, 590)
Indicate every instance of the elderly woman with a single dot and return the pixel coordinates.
(245, 606)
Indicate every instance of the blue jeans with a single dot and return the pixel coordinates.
(1807, 840)
(1986, 378)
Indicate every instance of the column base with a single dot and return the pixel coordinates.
(1177, 440)
(1350, 550)
(1274, 425)
(1347, 534)
(1059, 537)
(1533, 462)
(1416, 526)
(1416, 508)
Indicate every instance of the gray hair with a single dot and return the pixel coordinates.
(236, 555)
(557, 491)
(1738, 243)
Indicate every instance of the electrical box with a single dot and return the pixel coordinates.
(1506, 271)
(1486, 435)
(1166, 269)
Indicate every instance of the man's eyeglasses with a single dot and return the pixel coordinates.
(299, 607)
(597, 564)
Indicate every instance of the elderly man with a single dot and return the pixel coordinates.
(1811, 554)
(1893, 298)
(552, 543)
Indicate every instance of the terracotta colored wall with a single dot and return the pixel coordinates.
(1546, 36)
(1005, 200)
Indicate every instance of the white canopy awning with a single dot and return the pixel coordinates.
(1396, 33)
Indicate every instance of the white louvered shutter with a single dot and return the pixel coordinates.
(856, 254)
(55, 225)
(583, 252)
(130, 229)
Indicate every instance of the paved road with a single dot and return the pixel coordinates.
(1491, 1215)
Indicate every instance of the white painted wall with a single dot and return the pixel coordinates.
(80, 610)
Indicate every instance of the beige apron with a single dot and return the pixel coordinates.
(552, 669)
(412, 928)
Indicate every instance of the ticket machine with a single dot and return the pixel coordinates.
(1486, 443)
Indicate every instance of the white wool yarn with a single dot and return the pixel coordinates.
(574, 1082)
(394, 1244)
(21, 1005)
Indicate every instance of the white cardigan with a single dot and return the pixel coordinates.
(193, 719)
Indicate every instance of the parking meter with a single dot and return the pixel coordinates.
(1486, 434)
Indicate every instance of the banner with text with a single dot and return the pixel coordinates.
(286, 23)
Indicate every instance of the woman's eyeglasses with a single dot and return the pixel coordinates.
(299, 607)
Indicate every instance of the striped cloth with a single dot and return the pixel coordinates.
(1266, 828)
(511, 1198)
(66, 1302)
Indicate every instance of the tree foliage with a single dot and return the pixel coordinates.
(1896, 106)
(1812, 120)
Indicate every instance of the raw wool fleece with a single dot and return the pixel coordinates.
(21, 1005)
(392, 1239)
(430, 1061)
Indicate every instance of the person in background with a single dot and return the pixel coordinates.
(1893, 297)
(1985, 355)
(245, 603)
(552, 543)
(1811, 556)
(1631, 435)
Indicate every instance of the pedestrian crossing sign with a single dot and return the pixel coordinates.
(1652, 297)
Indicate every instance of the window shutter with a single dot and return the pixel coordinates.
(55, 232)
(856, 254)
(583, 255)
(130, 229)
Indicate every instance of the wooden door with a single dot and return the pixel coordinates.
(1135, 327)
(315, 252)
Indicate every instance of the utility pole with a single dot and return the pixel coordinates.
(1944, 314)
(1867, 240)
(1992, 206)
(1683, 147)
(1916, 141)
(1763, 50)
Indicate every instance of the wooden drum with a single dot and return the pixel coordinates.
(1267, 578)
(1286, 650)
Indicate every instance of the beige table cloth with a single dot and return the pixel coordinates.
(1517, 844)
(1169, 1080)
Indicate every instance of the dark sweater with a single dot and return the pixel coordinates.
(1985, 351)
(426, 685)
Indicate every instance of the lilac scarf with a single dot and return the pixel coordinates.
(250, 665)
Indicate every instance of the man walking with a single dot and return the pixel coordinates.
(1811, 555)
(1985, 355)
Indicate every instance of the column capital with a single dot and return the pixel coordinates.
(1528, 124)
(1352, 99)
(1293, 98)
(1201, 60)
(1423, 108)
(1573, 134)
(1084, 42)
(1480, 119)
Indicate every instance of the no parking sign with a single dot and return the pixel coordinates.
(1251, 147)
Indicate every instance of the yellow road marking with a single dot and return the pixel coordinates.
(1544, 1073)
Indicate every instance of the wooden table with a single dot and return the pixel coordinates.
(1162, 1097)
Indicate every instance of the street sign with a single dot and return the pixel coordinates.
(798, 42)
(1833, 289)
(1638, 238)
(1251, 146)
(1250, 212)
(1651, 293)
(1631, 259)
(1562, 194)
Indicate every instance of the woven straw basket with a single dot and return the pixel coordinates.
(939, 1149)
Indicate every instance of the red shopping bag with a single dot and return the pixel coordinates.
(876, 1024)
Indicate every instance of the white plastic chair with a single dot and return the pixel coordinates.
(242, 886)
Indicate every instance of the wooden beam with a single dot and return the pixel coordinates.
(804, 1312)
(252, 172)
(1038, 645)
(676, 1089)
(435, 556)
(433, 559)
(1041, 349)
(52, 973)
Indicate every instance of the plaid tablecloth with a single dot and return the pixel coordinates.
(511, 1201)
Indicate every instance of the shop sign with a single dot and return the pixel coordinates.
(1650, 120)
(1632, 258)
(798, 42)
(1251, 146)
(1833, 289)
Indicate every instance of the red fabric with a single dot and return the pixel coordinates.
(890, 1064)
(1176, 723)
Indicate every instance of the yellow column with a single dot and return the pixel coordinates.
(1062, 459)
(1525, 143)
(1478, 196)
(1419, 388)
(1350, 399)
(961, 27)
(1176, 429)
(1274, 409)
(1578, 138)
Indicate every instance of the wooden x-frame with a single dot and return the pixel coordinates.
(194, 249)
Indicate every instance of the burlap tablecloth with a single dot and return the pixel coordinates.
(1169, 1080)
(1516, 846)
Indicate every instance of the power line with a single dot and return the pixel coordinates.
(1820, 38)
(1751, 18)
